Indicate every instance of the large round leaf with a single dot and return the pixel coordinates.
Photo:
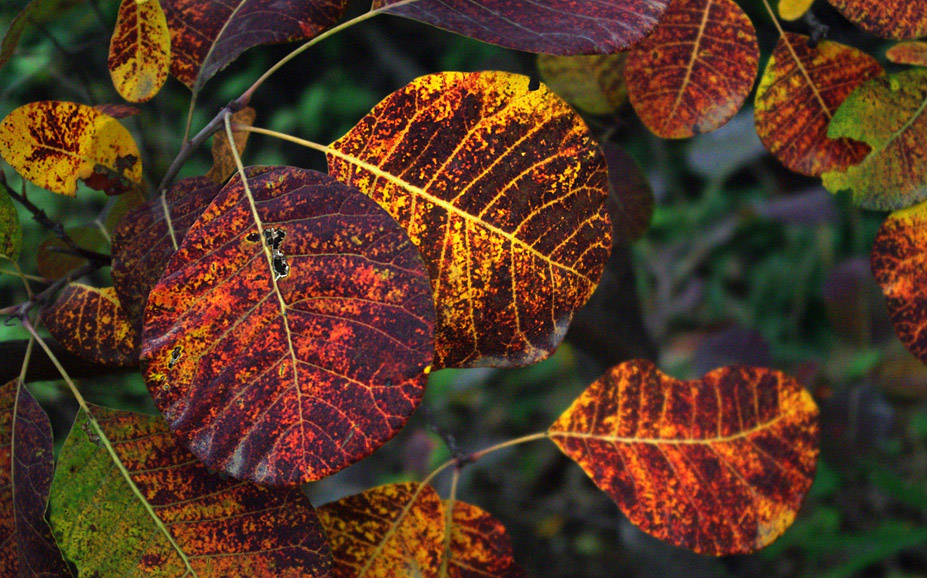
(284, 349)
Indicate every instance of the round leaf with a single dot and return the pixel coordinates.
(592, 83)
(899, 19)
(286, 370)
(140, 50)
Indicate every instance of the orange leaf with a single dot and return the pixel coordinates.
(478, 546)
(90, 323)
(900, 19)
(693, 73)
(392, 531)
(800, 90)
(718, 465)
(908, 53)
(593, 83)
(223, 162)
(502, 189)
(140, 50)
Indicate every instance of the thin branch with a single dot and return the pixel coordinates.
(43, 298)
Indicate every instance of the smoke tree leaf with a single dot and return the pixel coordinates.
(502, 189)
(140, 50)
(913, 52)
(886, 18)
(478, 545)
(718, 465)
(592, 83)
(794, 9)
(223, 161)
(11, 230)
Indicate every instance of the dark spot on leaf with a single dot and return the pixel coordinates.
(254, 237)
(175, 356)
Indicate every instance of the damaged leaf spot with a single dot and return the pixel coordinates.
(175, 357)
(253, 237)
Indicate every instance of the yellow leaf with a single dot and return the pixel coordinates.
(140, 51)
(794, 9)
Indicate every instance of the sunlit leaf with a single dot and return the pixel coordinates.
(694, 72)
(800, 91)
(36, 13)
(53, 144)
(886, 113)
(630, 199)
(27, 547)
(549, 26)
(287, 372)
(140, 50)
(90, 323)
(901, 19)
(794, 9)
(206, 35)
(592, 83)
(179, 519)
(479, 546)
(11, 231)
(718, 465)
(393, 531)
(502, 189)
(913, 52)
(223, 161)
(53, 263)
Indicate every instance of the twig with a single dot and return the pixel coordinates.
(22, 310)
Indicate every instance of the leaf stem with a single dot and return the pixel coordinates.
(283, 136)
(517, 441)
(22, 310)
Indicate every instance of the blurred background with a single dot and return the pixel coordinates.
(744, 262)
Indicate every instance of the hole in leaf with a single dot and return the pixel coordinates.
(175, 356)
(254, 237)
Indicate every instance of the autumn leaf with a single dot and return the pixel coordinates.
(206, 35)
(27, 547)
(140, 50)
(630, 199)
(718, 465)
(478, 545)
(52, 263)
(53, 144)
(800, 91)
(285, 370)
(11, 231)
(176, 518)
(392, 531)
(91, 324)
(695, 71)
(550, 27)
(36, 13)
(592, 83)
(118, 110)
(886, 18)
(914, 53)
(502, 189)
(223, 161)
(887, 114)
(794, 9)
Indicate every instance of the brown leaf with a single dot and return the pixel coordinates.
(223, 162)
(592, 83)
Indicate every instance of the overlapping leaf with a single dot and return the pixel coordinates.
(900, 19)
(179, 519)
(908, 53)
(630, 200)
(392, 531)
(592, 83)
(53, 262)
(286, 369)
(140, 50)
(53, 144)
(223, 161)
(694, 72)
(36, 13)
(11, 231)
(886, 113)
(145, 239)
(899, 260)
(27, 547)
(502, 189)
(800, 91)
(550, 26)
(206, 35)
(719, 465)
(90, 323)
(794, 9)
(478, 546)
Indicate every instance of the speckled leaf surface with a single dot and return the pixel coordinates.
(286, 370)
(502, 189)
(478, 546)
(392, 531)
(27, 547)
(914, 53)
(887, 113)
(37, 12)
(593, 83)
(718, 465)
(11, 230)
(182, 520)
(54, 144)
(206, 35)
(140, 50)
(794, 9)
(693, 73)
(546, 26)
(901, 19)
(90, 323)
(800, 91)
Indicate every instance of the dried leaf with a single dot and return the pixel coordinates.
(800, 90)
(695, 71)
(794, 9)
(914, 53)
(11, 231)
(53, 144)
(901, 19)
(140, 50)
(287, 372)
(630, 200)
(502, 189)
(118, 110)
(36, 13)
(53, 264)
(592, 83)
(223, 165)
(479, 546)
(718, 465)
(182, 520)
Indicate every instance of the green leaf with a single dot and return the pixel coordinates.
(11, 231)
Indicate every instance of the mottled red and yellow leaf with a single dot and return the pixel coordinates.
(502, 189)
(887, 113)
(284, 352)
(52, 263)
(392, 531)
(800, 91)
(592, 83)
(630, 199)
(478, 545)
(27, 547)
(53, 144)
(223, 161)
(914, 53)
(178, 519)
(206, 35)
(36, 13)
(551, 27)
(901, 19)
(718, 465)
(11, 230)
(794, 9)
(693, 73)
(90, 323)
(140, 50)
